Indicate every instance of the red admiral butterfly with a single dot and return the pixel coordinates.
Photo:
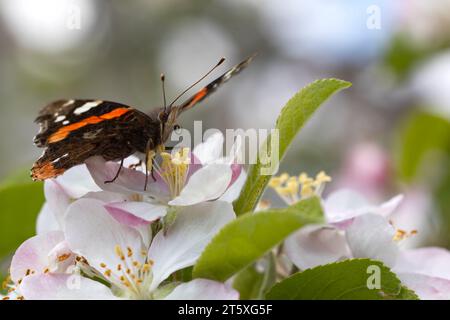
(72, 131)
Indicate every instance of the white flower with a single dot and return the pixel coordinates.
(96, 246)
(357, 229)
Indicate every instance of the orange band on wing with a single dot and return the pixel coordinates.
(65, 131)
(45, 171)
(199, 96)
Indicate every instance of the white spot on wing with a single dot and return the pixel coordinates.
(87, 106)
(60, 118)
(68, 103)
(57, 160)
(66, 122)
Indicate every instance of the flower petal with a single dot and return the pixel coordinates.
(234, 190)
(345, 204)
(371, 236)
(130, 181)
(431, 261)
(58, 200)
(94, 234)
(426, 287)
(185, 240)
(63, 287)
(33, 254)
(210, 150)
(202, 289)
(315, 245)
(136, 213)
(208, 183)
(46, 221)
(77, 181)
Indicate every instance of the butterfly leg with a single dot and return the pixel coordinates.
(117, 174)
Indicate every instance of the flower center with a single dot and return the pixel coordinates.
(292, 188)
(174, 169)
(131, 275)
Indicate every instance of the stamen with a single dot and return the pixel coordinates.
(292, 189)
(119, 252)
(63, 257)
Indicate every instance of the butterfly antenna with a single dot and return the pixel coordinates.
(195, 83)
(163, 78)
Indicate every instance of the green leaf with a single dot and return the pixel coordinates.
(250, 236)
(347, 280)
(422, 136)
(291, 119)
(20, 205)
(252, 284)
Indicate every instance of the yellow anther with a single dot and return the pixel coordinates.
(63, 257)
(119, 252)
(399, 235)
(103, 265)
(322, 177)
(46, 270)
(278, 180)
(119, 267)
(303, 178)
(129, 252)
(108, 272)
(307, 189)
(146, 267)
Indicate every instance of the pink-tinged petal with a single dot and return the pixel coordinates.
(426, 287)
(388, 207)
(315, 245)
(33, 254)
(431, 261)
(94, 234)
(194, 166)
(46, 221)
(135, 213)
(416, 213)
(202, 289)
(234, 189)
(61, 258)
(107, 197)
(236, 170)
(77, 181)
(186, 238)
(208, 183)
(64, 287)
(211, 150)
(371, 236)
(130, 181)
(344, 205)
(57, 199)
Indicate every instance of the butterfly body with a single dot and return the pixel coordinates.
(71, 131)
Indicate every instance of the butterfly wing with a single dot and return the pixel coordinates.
(75, 130)
(210, 88)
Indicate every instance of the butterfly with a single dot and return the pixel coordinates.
(72, 131)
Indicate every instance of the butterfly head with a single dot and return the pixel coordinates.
(168, 120)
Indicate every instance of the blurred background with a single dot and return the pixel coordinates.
(388, 134)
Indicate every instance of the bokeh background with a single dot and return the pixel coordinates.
(388, 134)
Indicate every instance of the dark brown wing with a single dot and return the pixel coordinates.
(210, 88)
(62, 113)
(109, 129)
